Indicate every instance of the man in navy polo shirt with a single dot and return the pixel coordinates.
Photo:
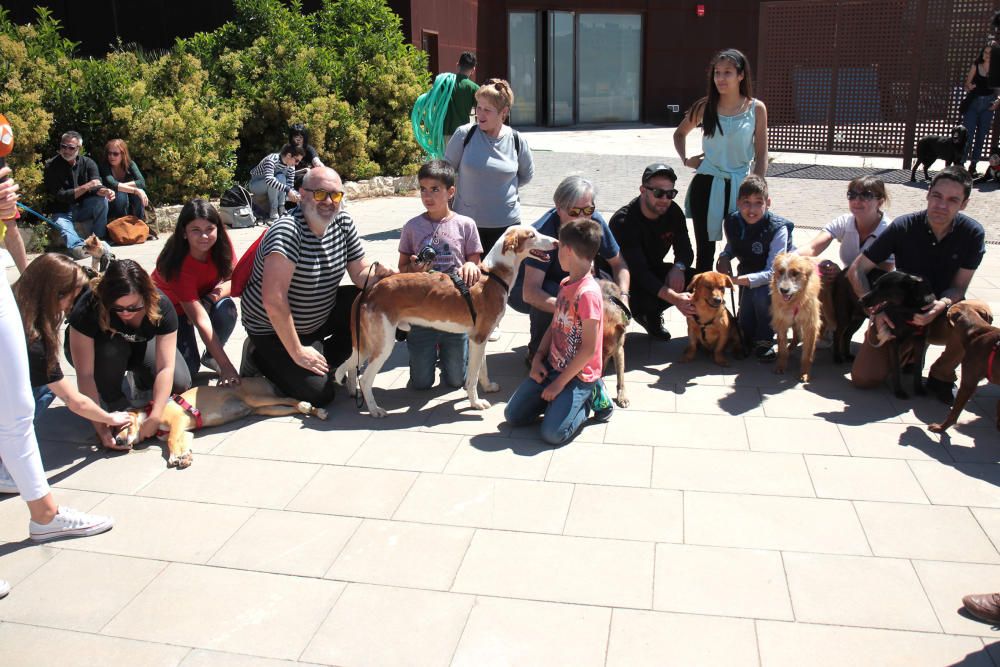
(944, 247)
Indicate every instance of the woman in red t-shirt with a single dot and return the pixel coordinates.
(194, 270)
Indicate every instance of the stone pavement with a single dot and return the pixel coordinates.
(728, 516)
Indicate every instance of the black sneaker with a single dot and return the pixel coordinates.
(764, 351)
(941, 390)
(653, 324)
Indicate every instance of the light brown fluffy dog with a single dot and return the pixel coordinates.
(218, 405)
(98, 261)
(795, 284)
(712, 326)
(613, 345)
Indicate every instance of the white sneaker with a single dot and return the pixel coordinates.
(494, 335)
(4, 589)
(70, 523)
(7, 484)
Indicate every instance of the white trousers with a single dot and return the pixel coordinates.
(18, 446)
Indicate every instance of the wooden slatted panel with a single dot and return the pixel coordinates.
(849, 76)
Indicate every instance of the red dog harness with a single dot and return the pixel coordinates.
(185, 406)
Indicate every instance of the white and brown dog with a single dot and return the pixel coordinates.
(432, 300)
(795, 284)
(212, 406)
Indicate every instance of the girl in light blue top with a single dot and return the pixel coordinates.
(734, 128)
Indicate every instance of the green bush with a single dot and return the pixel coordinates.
(201, 116)
(185, 140)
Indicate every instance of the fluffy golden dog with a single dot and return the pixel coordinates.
(795, 285)
(712, 326)
(217, 405)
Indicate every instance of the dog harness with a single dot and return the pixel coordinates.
(463, 289)
(704, 326)
(185, 406)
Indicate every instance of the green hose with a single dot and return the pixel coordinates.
(428, 115)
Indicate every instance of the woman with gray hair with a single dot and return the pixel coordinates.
(574, 198)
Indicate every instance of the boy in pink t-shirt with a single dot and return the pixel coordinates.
(567, 368)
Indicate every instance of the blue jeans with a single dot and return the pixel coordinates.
(755, 314)
(562, 417)
(424, 344)
(90, 209)
(275, 198)
(222, 314)
(977, 120)
(126, 204)
(43, 398)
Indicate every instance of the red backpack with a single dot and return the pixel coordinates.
(244, 267)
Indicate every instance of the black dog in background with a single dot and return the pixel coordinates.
(930, 149)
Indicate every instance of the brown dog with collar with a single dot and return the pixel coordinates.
(972, 322)
(212, 406)
(712, 326)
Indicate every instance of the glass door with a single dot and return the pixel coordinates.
(523, 66)
(561, 75)
(609, 66)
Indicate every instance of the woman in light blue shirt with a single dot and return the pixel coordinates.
(734, 127)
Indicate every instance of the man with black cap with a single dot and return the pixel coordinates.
(646, 229)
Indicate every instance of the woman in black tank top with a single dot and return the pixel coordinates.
(979, 116)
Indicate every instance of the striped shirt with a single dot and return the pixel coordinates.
(271, 165)
(320, 264)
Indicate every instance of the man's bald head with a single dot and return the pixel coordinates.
(322, 178)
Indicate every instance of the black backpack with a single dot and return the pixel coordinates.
(472, 130)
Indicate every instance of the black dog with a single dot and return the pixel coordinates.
(901, 296)
(930, 149)
(848, 313)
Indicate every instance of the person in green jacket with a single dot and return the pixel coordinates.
(463, 97)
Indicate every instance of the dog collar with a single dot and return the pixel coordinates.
(184, 405)
(503, 283)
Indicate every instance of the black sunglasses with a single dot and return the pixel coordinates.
(67, 147)
(863, 196)
(660, 193)
(128, 309)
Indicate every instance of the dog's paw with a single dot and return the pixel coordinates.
(688, 357)
(182, 461)
(377, 412)
(721, 361)
(320, 413)
(804, 377)
(480, 404)
(491, 388)
(622, 401)
(304, 407)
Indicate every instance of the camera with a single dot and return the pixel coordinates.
(426, 255)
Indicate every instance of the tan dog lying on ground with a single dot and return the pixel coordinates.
(433, 300)
(212, 406)
(615, 323)
(712, 326)
(795, 285)
(971, 321)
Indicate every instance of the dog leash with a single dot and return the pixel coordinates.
(736, 318)
(463, 289)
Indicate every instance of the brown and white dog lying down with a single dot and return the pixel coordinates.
(613, 345)
(712, 326)
(972, 322)
(795, 284)
(432, 300)
(217, 405)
